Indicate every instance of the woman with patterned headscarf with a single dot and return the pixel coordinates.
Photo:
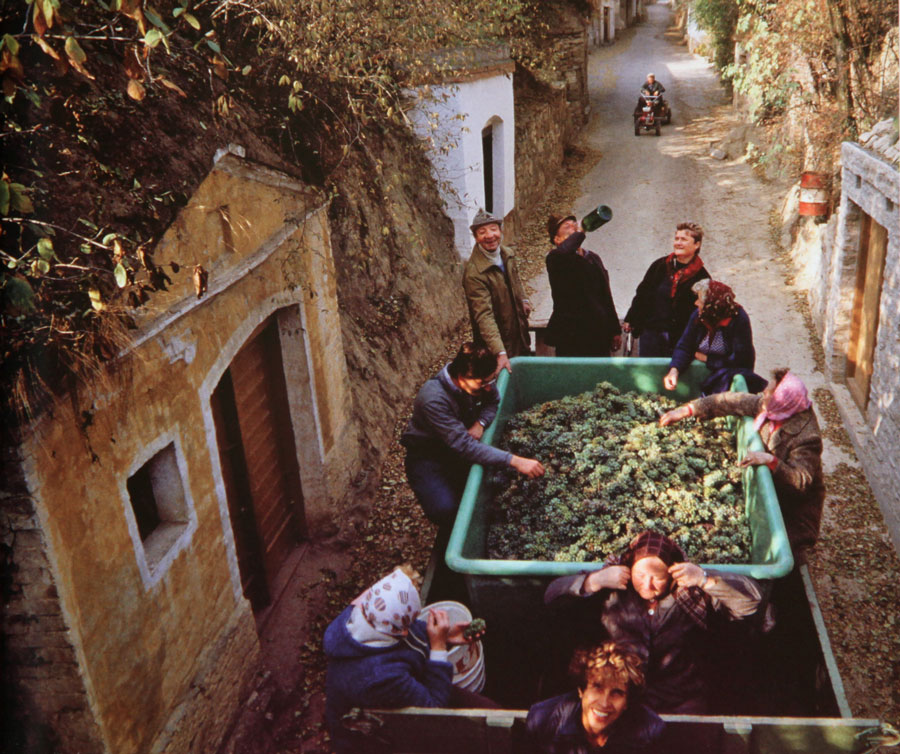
(654, 602)
(718, 333)
(790, 433)
(381, 655)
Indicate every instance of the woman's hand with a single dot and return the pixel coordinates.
(688, 574)
(670, 381)
(476, 430)
(438, 626)
(757, 458)
(700, 356)
(456, 635)
(530, 467)
(675, 415)
(611, 577)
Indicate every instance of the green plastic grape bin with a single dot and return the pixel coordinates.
(501, 587)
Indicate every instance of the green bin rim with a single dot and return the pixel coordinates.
(782, 565)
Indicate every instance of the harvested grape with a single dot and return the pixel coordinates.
(474, 628)
(613, 472)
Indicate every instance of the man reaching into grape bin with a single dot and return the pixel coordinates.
(443, 437)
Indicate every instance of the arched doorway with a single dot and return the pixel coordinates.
(258, 459)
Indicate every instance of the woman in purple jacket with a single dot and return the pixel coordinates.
(719, 335)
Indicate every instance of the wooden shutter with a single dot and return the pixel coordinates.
(866, 299)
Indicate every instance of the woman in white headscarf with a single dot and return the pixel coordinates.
(381, 655)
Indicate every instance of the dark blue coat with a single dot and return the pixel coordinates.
(554, 727)
(362, 676)
(739, 358)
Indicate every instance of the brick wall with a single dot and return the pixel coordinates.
(45, 702)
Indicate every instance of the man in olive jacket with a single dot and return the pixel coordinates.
(498, 307)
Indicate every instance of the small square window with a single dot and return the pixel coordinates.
(858, 181)
(158, 502)
(889, 204)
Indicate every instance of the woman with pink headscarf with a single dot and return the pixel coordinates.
(788, 429)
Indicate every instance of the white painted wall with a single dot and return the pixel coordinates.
(453, 117)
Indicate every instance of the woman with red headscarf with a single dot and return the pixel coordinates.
(788, 429)
(661, 607)
(718, 333)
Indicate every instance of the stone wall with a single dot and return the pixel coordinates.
(827, 255)
(44, 699)
(541, 139)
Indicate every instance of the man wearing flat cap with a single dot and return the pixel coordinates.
(584, 320)
(498, 307)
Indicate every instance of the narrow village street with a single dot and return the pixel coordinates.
(242, 242)
(651, 184)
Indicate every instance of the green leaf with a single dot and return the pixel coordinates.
(154, 18)
(41, 265)
(191, 19)
(85, 248)
(18, 199)
(246, 70)
(213, 46)
(121, 275)
(45, 248)
(108, 239)
(11, 44)
(178, 11)
(19, 296)
(74, 51)
(153, 37)
(4, 198)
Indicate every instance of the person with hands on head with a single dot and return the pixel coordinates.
(718, 334)
(498, 306)
(653, 601)
(788, 428)
(584, 320)
(443, 436)
(664, 301)
(380, 654)
(603, 713)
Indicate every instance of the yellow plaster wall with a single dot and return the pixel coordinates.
(139, 648)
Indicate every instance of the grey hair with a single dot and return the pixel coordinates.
(701, 288)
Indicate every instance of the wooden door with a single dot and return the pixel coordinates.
(259, 461)
(866, 298)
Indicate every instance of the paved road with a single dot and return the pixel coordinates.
(652, 183)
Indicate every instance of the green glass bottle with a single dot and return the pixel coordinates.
(595, 218)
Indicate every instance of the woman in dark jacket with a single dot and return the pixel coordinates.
(650, 600)
(719, 334)
(381, 655)
(603, 714)
(584, 320)
(664, 300)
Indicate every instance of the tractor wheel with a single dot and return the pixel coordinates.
(637, 127)
(657, 130)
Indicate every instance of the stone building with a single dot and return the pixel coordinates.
(147, 515)
(851, 268)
